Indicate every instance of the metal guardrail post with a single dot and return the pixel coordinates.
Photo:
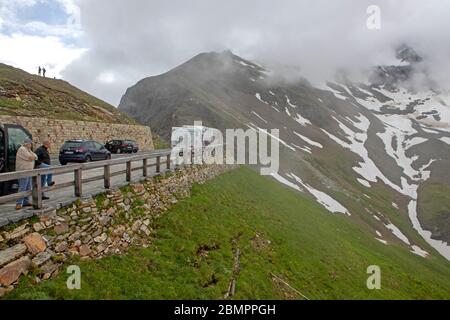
(107, 180)
(128, 171)
(145, 167)
(78, 183)
(158, 164)
(36, 192)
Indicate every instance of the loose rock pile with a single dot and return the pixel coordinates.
(94, 228)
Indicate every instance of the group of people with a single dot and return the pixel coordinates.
(26, 159)
(42, 71)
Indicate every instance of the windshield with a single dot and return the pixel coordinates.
(72, 144)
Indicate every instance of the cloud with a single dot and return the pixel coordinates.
(133, 39)
(29, 43)
(29, 52)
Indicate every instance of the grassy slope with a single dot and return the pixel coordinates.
(29, 95)
(322, 255)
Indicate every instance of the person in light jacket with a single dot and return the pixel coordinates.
(25, 159)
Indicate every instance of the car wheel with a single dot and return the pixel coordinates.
(88, 159)
(108, 157)
(63, 163)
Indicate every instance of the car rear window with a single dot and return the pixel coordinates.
(72, 144)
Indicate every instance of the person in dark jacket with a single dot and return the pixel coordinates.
(43, 162)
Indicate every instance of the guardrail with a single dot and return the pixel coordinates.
(161, 156)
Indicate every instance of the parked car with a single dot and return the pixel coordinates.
(83, 151)
(11, 138)
(122, 146)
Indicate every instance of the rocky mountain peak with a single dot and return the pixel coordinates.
(407, 54)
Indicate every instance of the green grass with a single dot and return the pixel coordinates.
(434, 209)
(159, 143)
(322, 255)
(24, 94)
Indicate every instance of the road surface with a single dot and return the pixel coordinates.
(65, 196)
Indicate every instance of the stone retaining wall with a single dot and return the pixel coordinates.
(58, 131)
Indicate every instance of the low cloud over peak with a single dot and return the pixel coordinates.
(130, 40)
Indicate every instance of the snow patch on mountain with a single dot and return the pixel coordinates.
(258, 96)
(309, 141)
(446, 140)
(246, 64)
(290, 103)
(274, 108)
(364, 182)
(336, 93)
(325, 200)
(305, 149)
(396, 231)
(261, 118)
(303, 121)
(419, 251)
(426, 108)
(287, 112)
(255, 127)
(286, 182)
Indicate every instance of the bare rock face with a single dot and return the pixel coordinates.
(11, 272)
(35, 243)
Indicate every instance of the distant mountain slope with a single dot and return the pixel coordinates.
(23, 94)
(364, 150)
(201, 89)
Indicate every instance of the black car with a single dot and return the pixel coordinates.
(11, 138)
(122, 146)
(83, 151)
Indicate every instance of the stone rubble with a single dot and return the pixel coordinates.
(94, 228)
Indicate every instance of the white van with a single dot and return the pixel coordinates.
(192, 134)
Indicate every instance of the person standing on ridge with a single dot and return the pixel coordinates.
(39, 70)
(43, 71)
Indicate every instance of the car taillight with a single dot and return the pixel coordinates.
(79, 150)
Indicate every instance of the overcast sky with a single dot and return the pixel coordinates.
(105, 46)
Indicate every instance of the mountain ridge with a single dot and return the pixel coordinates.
(372, 148)
(24, 94)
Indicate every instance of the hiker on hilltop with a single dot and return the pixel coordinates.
(43, 162)
(25, 159)
(40, 70)
(43, 72)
